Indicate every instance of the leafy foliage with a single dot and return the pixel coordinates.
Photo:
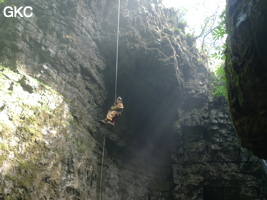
(219, 33)
(181, 22)
(219, 83)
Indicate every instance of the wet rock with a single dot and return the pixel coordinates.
(246, 72)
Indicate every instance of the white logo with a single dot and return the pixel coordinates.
(10, 11)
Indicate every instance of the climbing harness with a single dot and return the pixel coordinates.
(116, 84)
(117, 51)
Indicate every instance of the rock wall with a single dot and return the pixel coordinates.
(45, 152)
(54, 47)
(246, 72)
(208, 160)
(170, 143)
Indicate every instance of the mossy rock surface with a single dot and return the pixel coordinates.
(36, 129)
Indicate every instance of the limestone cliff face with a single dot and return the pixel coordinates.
(208, 162)
(246, 72)
(172, 141)
(42, 146)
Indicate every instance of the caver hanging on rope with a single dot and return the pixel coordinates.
(114, 111)
(117, 108)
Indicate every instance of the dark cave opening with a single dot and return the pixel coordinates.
(150, 93)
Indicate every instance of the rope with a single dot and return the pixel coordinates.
(117, 52)
(116, 85)
(101, 173)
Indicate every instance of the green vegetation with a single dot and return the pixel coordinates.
(219, 33)
(80, 147)
(219, 83)
(3, 147)
(25, 165)
(2, 158)
(219, 80)
(2, 1)
(190, 38)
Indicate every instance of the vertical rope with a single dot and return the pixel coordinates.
(117, 52)
(116, 84)
(101, 173)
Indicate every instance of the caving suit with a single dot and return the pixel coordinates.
(114, 110)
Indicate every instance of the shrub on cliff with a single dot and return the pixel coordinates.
(219, 83)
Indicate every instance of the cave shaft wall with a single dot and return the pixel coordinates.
(246, 72)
